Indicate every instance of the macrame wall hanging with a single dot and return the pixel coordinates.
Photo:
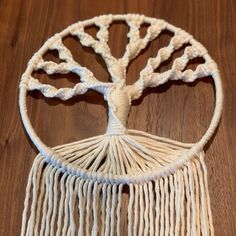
(77, 188)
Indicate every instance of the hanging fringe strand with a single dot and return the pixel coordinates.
(58, 203)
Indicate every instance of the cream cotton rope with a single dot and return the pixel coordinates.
(77, 188)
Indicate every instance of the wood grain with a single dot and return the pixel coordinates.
(175, 110)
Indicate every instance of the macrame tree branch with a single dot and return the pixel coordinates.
(136, 43)
(150, 78)
(100, 46)
(119, 95)
(88, 80)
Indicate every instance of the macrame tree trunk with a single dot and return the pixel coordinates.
(81, 188)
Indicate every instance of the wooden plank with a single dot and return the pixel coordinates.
(179, 112)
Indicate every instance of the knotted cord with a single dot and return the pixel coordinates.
(77, 188)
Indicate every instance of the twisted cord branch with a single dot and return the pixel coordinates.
(66, 93)
(117, 66)
(136, 43)
(149, 78)
(100, 46)
(69, 65)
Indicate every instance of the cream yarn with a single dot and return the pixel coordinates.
(77, 188)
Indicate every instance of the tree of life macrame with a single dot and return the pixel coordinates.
(160, 172)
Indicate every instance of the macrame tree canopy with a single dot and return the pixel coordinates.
(77, 188)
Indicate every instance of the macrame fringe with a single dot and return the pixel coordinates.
(61, 204)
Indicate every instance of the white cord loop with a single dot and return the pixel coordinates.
(119, 97)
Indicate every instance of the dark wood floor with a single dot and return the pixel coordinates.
(175, 110)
